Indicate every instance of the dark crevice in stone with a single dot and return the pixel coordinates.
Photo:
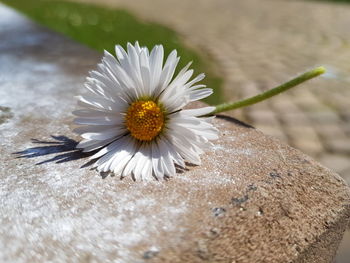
(5, 114)
(239, 201)
(252, 187)
(150, 254)
(286, 212)
(213, 233)
(261, 211)
(218, 211)
(275, 174)
(202, 250)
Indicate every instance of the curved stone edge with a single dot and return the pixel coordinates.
(318, 244)
(325, 248)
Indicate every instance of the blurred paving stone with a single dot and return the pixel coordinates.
(324, 117)
(266, 117)
(307, 100)
(343, 254)
(305, 138)
(284, 104)
(331, 130)
(302, 131)
(249, 89)
(254, 199)
(275, 131)
(346, 115)
(346, 175)
(338, 145)
(347, 128)
(310, 146)
(336, 162)
(294, 118)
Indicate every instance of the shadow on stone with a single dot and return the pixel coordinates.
(62, 146)
(233, 120)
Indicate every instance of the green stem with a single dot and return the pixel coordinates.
(270, 93)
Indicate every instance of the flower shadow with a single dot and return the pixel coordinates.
(62, 147)
(233, 120)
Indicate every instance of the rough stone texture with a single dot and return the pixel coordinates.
(254, 199)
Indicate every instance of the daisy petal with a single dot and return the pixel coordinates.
(198, 112)
(105, 120)
(104, 135)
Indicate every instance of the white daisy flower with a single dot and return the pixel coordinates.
(134, 114)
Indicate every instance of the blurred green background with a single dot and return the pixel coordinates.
(101, 29)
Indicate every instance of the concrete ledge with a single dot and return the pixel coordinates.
(254, 199)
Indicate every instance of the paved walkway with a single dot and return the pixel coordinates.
(259, 44)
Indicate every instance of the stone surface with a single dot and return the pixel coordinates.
(254, 199)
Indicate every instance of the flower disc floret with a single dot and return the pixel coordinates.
(144, 120)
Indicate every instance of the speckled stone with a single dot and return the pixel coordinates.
(254, 199)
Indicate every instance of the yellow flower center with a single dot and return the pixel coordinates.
(144, 120)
